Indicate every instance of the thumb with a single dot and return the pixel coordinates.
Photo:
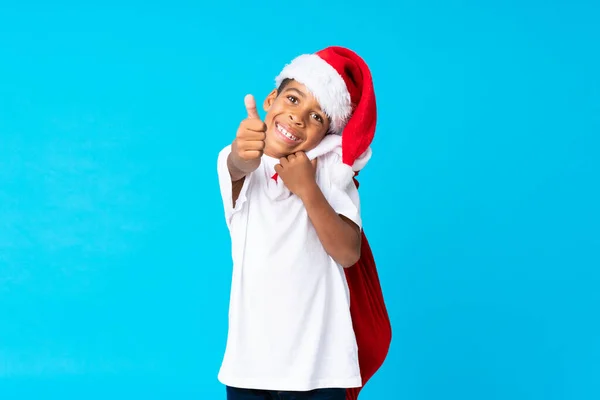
(250, 104)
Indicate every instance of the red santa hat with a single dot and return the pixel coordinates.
(342, 84)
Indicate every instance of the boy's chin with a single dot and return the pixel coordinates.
(278, 149)
(277, 152)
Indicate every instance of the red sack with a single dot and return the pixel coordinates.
(369, 315)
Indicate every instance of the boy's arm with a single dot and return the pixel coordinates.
(235, 172)
(236, 189)
(340, 236)
(237, 178)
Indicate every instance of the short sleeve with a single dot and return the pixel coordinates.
(226, 187)
(345, 201)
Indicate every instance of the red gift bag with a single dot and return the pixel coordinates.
(369, 315)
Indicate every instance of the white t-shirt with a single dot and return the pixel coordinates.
(289, 318)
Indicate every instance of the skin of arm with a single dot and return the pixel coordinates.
(340, 237)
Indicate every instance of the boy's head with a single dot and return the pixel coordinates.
(328, 92)
(295, 120)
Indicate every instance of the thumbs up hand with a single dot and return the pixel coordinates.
(249, 143)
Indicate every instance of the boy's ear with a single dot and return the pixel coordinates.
(270, 100)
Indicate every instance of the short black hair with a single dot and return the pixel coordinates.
(283, 84)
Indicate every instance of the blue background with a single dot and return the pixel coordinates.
(481, 202)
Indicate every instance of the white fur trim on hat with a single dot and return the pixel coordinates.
(362, 160)
(325, 83)
(341, 175)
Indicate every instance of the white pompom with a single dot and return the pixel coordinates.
(341, 175)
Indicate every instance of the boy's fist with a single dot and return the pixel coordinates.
(249, 143)
(297, 173)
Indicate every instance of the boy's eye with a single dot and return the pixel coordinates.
(317, 117)
(292, 99)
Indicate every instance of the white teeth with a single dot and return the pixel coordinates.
(286, 133)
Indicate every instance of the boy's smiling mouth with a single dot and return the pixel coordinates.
(284, 133)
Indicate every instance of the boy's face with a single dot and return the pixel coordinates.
(295, 121)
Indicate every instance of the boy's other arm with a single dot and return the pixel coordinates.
(236, 187)
(340, 236)
(237, 178)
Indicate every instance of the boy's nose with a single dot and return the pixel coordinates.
(296, 120)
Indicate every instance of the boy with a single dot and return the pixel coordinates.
(293, 213)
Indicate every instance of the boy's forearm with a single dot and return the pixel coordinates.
(237, 179)
(339, 236)
(234, 171)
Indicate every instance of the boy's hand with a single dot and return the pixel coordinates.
(249, 144)
(297, 173)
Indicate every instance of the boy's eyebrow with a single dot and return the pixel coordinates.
(297, 91)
